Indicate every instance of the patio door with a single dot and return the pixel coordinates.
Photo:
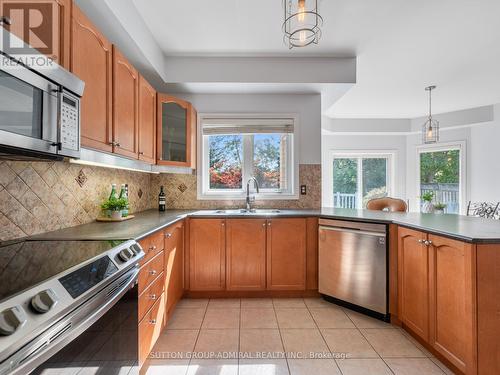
(357, 178)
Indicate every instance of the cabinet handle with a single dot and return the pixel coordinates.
(152, 248)
(152, 272)
(141, 153)
(152, 296)
(429, 243)
(116, 144)
(264, 224)
(168, 235)
(269, 224)
(222, 224)
(421, 241)
(5, 20)
(152, 321)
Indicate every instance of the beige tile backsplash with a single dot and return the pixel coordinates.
(38, 197)
(181, 191)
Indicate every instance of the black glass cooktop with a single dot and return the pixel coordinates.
(24, 264)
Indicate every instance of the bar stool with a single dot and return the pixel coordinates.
(387, 204)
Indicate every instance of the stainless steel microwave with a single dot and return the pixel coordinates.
(39, 107)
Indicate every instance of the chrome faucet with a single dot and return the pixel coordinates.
(249, 199)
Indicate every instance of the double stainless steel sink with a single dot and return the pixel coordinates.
(238, 212)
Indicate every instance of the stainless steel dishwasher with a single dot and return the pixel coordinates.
(353, 265)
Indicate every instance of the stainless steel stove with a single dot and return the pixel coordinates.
(53, 291)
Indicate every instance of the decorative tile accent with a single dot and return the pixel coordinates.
(81, 178)
(38, 197)
(181, 192)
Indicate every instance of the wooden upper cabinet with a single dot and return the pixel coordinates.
(147, 121)
(176, 138)
(125, 106)
(286, 254)
(413, 281)
(207, 247)
(246, 254)
(52, 38)
(453, 301)
(92, 61)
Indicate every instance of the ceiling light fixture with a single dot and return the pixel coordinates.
(302, 24)
(430, 130)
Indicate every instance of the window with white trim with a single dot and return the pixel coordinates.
(441, 175)
(358, 177)
(235, 149)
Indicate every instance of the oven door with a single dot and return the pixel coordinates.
(29, 107)
(100, 337)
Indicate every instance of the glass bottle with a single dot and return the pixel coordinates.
(161, 200)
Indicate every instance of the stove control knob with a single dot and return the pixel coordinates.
(11, 319)
(125, 255)
(136, 248)
(44, 301)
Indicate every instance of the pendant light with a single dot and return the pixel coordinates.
(430, 130)
(302, 23)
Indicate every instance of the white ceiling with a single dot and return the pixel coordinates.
(401, 46)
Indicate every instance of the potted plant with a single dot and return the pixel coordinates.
(114, 206)
(427, 206)
(439, 208)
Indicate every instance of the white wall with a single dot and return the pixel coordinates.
(484, 171)
(308, 107)
(478, 128)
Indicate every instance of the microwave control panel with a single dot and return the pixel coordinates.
(70, 121)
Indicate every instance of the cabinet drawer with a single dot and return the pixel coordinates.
(151, 295)
(150, 328)
(150, 271)
(152, 245)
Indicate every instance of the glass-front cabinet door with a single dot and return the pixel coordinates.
(176, 132)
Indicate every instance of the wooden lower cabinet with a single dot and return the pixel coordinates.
(150, 272)
(413, 281)
(207, 253)
(286, 254)
(150, 295)
(438, 301)
(150, 328)
(453, 301)
(174, 265)
(246, 254)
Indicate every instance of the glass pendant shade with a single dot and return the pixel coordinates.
(430, 130)
(302, 23)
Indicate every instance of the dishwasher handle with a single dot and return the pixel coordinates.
(353, 231)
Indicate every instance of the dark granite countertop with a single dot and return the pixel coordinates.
(469, 229)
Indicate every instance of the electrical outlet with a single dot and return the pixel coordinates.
(303, 189)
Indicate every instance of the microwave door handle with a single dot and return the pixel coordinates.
(58, 144)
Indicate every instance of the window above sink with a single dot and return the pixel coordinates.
(234, 148)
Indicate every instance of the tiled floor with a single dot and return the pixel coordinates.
(284, 336)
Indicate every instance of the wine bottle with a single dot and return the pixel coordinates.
(123, 194)
(161, 199)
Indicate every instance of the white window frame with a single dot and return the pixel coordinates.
(203, 190)
(390, 155)
(446, 146)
